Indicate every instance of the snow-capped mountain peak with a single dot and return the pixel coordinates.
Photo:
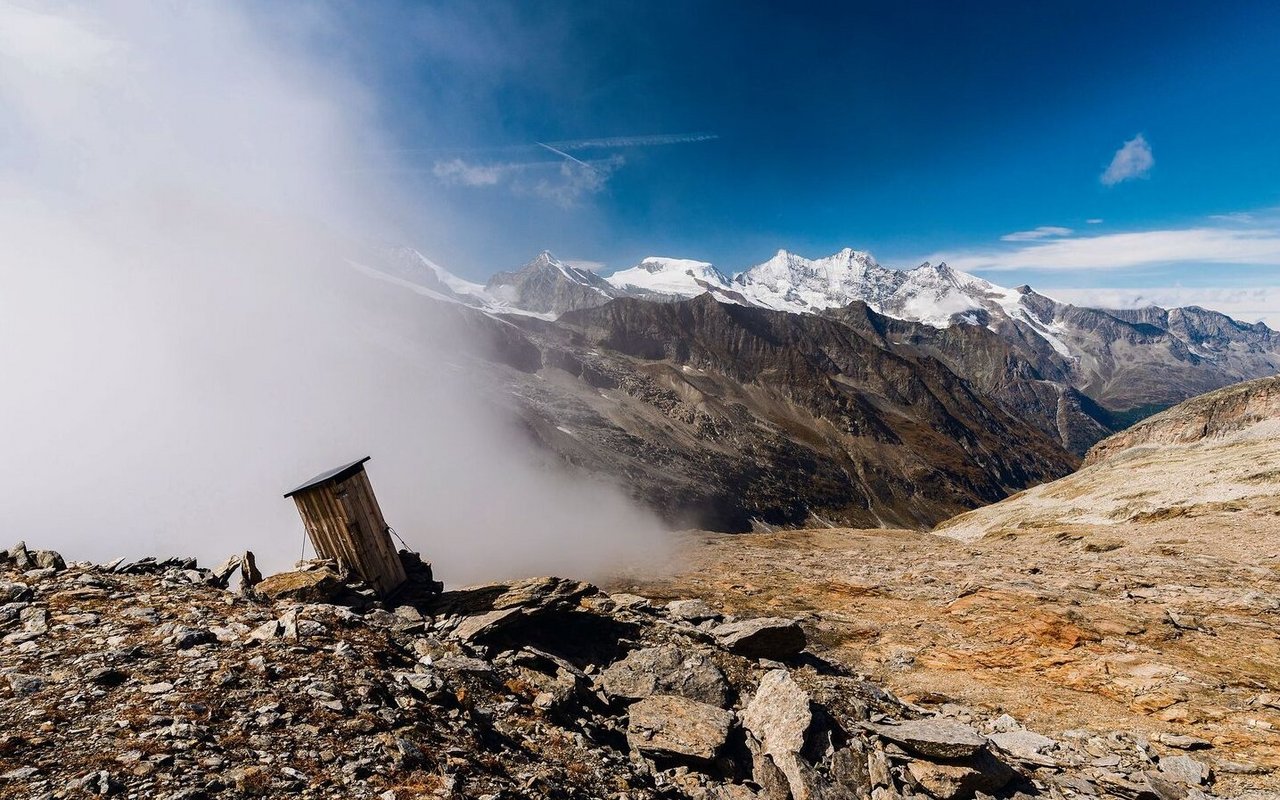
(547, 285)
(790, 282)
(675, 277)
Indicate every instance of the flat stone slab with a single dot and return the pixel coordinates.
(933, 738)
(1024, 745)
(677, 726)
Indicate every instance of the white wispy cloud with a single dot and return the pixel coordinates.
(575, 179)
(1042, 232)
(1094, 221)
(1199, 245)
(1246, 304)
(589, 266)
(562, 182)
(456, 172)
(1133, 160)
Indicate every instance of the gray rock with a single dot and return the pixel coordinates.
(1241, 768)
(250, 575)
(1183, 742)
(35, 619)
(632, 602)
(1024, 745)
(319, 585)
(107, 676)
(1185, 770)
(1160, 786)
(185, 638)
(1004, 723)
(223, 572)
(48, 559)
(962, 778)
(23, 684)
(474, 628)
(457, 663)
(775, 638)
(933, 738)
(21, 557)
(12, 591)
(692, 610)
(271, 629)
(666, 670)
(778, 718)
(731, 791)
(667, 725)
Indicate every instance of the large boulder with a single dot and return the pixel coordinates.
(798, 752)
(778, 719)
(956, 780)
(321, 585)
(774, 638)
(48, 559)
(666, 669)
(671, 726)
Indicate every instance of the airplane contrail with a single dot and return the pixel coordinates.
(636, 141)
(566, 155)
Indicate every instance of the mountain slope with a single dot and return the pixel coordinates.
(728, 417)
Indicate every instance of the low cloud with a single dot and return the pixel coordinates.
(1200, 245)
(1133, 160)
(1246, 304)
(1094, 221)
(181, 187)
(1042, 232)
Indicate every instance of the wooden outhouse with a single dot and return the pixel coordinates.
(344, 522)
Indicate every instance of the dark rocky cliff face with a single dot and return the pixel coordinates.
(726, 417)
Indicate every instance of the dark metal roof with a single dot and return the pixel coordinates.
(336, 474)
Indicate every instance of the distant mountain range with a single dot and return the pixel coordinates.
(833, 389)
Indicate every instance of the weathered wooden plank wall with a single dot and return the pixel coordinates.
(345, 523)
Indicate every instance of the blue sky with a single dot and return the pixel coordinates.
(1129, 148)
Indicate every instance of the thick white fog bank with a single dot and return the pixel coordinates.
(181, 336)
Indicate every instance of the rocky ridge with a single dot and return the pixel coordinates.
(1208, 461)
(1210, 416)
(151, 679)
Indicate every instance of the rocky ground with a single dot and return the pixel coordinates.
(1138, 636)
(152, 680)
